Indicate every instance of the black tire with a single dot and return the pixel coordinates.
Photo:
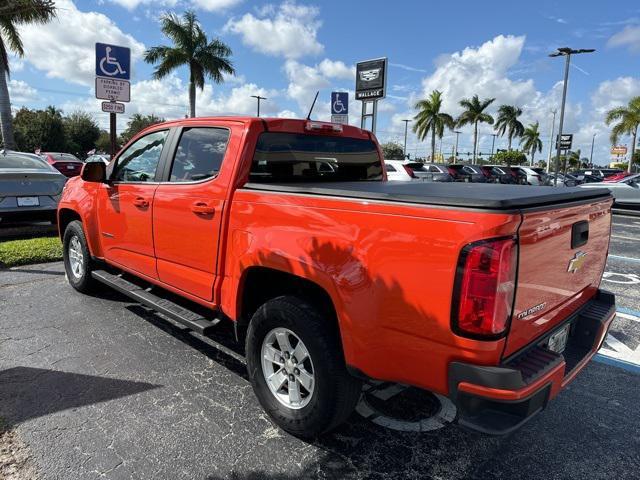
(335, 392)
(83, 283)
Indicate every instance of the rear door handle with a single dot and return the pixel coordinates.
(203, 208)
(141, 202)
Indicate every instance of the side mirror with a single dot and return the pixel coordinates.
(94, 172)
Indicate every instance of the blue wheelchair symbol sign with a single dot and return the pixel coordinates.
(339, 103)
(113, 61)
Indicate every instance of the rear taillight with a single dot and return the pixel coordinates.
(484, 289)
(452, 171)
(409, 171)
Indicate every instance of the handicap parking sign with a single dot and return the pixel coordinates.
(339, 103)
(113, 61)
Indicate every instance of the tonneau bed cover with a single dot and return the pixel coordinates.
(470, 195)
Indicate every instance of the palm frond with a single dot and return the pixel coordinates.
(180, 31)
(9, 34)
(28, 11)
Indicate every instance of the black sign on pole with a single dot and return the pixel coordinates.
(371, 79)
(566, 140)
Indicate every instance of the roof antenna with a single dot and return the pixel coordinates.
(313, 105)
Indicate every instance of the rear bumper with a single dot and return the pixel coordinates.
(498, 400)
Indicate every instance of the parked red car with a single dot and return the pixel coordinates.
(487, 293)
(66, 163)
(617, 177)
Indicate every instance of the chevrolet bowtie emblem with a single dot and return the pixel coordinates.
(576, 262)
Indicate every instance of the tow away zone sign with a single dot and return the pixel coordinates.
(113, 107)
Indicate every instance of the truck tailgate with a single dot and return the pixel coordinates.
(562, 257)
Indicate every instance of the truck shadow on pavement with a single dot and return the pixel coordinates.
(27, 393)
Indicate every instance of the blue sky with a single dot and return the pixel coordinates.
(288, 50)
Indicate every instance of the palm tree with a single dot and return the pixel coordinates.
(474, 113)
(13, 15)
(430, 119)
(508, 122)
(530, 141)
(191, 48)
(628, 119)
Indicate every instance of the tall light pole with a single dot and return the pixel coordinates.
(455, 155)
(593, 141)
(553, 127)
(566, 52)
(258, 97)
(406, 125)
(493, 143)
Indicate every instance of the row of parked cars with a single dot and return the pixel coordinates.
(31, 184)
(625, 186)
(399, 170)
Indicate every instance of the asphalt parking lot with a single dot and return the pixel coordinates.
(98, 387)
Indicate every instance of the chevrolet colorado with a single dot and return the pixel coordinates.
(486, 293)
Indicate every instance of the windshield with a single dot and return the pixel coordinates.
(293, 157)
(64, 157)
(20, 161)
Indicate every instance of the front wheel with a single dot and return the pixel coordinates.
(77, 259)
(297, 369)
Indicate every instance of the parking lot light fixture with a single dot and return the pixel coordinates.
(406, 124)
(493, 143)
(258, 97)
(564, 52)
(553, 127)
(455, 154)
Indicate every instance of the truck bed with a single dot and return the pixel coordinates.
(469, 195)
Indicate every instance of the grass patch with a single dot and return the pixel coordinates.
(32, 250)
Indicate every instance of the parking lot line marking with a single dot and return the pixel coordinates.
(624, 225)
(629, 259)
(622, 237)
(630, 367)
(628, 313)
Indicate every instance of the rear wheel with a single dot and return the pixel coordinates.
(297, 369)
(77, 259)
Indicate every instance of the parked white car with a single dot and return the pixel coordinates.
(399, 171)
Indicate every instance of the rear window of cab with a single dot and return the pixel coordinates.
(294, 157)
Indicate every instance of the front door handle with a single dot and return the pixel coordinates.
(202, 208)
(141, 202)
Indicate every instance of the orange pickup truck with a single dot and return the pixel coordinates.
(486, 293)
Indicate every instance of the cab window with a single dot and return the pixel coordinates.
(139, 162)
(199, 154)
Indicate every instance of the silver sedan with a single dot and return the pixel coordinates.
(29, 187)
(625, 191)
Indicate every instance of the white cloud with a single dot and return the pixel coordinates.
(304, 82)
(483, 71)
(215, 5)
(21, 91)
(628, 37)
(609, 94)
(337, 69)
(64, 48)
(208, 5)
(486, 71)
(289, 31)
(133, 4)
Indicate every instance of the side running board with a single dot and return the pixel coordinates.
(194, 321)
